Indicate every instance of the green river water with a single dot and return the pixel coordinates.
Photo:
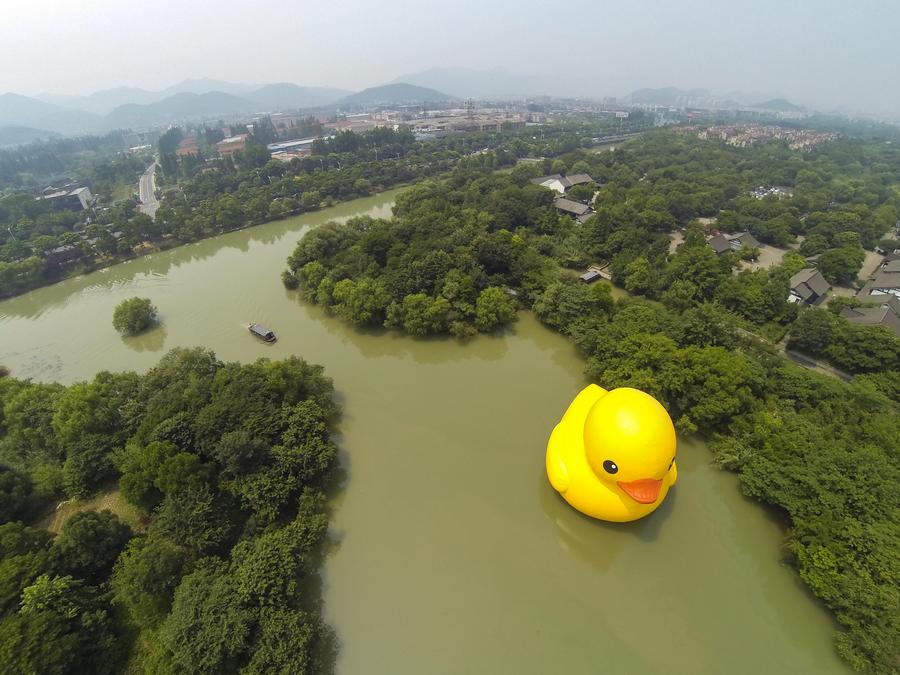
(451, 552)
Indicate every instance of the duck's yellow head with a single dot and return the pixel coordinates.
(629, 441)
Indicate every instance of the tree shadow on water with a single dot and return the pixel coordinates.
(152, 340)
(598, 542)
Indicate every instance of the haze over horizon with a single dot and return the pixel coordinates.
(825, 54)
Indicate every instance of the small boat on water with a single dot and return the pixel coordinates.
(261, 332)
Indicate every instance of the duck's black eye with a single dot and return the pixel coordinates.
(671, 463)
(610, 467)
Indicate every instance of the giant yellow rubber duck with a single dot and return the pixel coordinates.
(612, 455)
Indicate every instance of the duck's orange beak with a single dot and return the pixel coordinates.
(643, 491)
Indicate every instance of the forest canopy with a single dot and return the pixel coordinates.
(225, 463)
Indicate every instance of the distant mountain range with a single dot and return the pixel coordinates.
(703, 98)
(23, 111)
(10, 136)
(399, 92)
(778, 104)
(479, 84)
(286, 95)
(668, 96)
(129, 107)
(280, 95)
(178, 107)
(102, 102)
(23, 117)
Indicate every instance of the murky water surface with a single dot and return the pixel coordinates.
(453, 554)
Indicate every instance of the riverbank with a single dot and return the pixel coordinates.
(150, 247)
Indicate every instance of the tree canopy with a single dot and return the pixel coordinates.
(226, 464)
(134, 315)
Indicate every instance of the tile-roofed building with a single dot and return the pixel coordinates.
(187, 146)
(62, 255)
(887, 315)
(562, 183)
(885, 282)
(579, 179)
(232, 144)
(719, 243)
(573, 208)
(808, 286)
(744, 239)
(891, 266)
(732, 242)
(77, 199)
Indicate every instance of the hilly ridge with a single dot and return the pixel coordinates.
(289, 95)
(24, 111)
(183, 106)
(397, 92)
(482, 84)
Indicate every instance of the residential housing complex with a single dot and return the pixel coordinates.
(743, 135)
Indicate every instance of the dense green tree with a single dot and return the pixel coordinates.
(215, 453)
(15, 494)
(134, 316)
(89, 543)
(840, 265)
(196, 519)
(565, 303)
(208, 628)
(812, 332)
(267, 569)
(27, 419)
(145, 577)
(286, 644)
(494, 308)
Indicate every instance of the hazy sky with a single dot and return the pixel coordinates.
(824, 53)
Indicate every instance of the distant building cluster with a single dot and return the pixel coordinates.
(481, 122)
(744, 135)
(72, 197)
(285, 151)
(777, 191)
(580, 211)
(228, 146)
(187, 147)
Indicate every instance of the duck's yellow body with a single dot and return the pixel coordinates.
(612, 455)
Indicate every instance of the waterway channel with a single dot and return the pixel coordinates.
(451, 552)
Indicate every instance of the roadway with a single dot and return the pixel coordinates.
(147, 191)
